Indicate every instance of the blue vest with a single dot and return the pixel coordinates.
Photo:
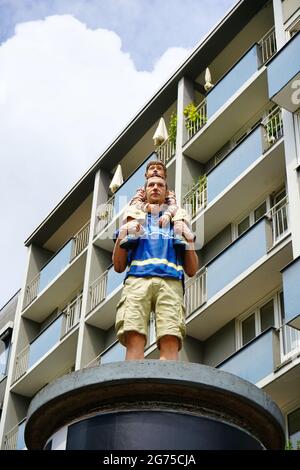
(155, 254)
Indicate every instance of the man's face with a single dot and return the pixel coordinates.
(155, 170)
(156, 190)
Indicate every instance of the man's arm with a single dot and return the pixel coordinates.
(119, 257)
(190, 260)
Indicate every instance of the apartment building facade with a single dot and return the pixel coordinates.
(234, 162)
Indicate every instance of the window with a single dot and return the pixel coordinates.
(294, 428)
(257, 321)
(250, 219)
(113, 354)
(5, 341)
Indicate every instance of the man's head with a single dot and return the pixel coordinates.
(156, 168)
(156, 190)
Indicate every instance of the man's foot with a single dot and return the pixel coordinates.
(129, 242)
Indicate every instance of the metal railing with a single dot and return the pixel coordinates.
(290, 338)
(105, 214)
(21, 364)
(268, 45)
(81, 240)
(94, 362)
(166, 151)
(273, 127)
(278, 215)
(72, 314)
(11, 438)
(196, 199)
(199, 120)
(195, 291)
(32, 290)
(98, 290)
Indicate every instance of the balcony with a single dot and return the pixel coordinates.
(256, 360)
(256, 165)
(43, 352)
(290, 279)
(105, 293)
(234, 99)
(284, 75)
(14, 439)
(246, 270)
(61, 276)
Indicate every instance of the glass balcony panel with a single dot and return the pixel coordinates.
(233, 80)
(128, 189)
(254, 361)
(114, 280)
(45, 341)
(20, 439)
(290, 278)
(249, 150)
(237, 258)
(55, 265)
(114, 354)
(283, 69)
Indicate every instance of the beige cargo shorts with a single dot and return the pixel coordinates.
(141, 296)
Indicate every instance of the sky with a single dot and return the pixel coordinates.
(73, 73)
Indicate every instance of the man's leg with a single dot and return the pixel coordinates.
(135, 344)
(169, 346)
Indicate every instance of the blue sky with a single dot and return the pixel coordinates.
(60, 68)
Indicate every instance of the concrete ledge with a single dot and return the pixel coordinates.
(154, 385)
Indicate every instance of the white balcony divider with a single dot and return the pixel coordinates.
(166, 151)
(200, 120)
(290, 338)
(72, 313)
(98, 290)
(278, 214)
(81, 239)
(195, 291)
(268, 45)
(11, 438)
(21, 364)
(273, 127)
(196, 199)
(32, 290)
(94, 362)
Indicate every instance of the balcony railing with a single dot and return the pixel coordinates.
(48, 338)
(273, 127)
(199, 120)
(268, 45)
(280, 220)
(195, 291)
(104, 285)
(241, 363)
(14, 439)
(57, 263)
(196, 199)
(166, 151)
(290, 341)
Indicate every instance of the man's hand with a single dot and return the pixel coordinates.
(181, 228)
(132, 228)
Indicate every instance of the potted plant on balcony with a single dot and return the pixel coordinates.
(172, 129)
(193, 116)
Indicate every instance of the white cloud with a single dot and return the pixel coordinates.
(65, 92)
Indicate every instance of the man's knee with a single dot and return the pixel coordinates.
(134, 339)
(170, 342)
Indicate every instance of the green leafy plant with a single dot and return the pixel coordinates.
(193, 116)
(289, 445)
(172, 130)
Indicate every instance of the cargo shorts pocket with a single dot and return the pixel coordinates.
(121, 309)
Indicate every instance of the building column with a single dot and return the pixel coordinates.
(184, 97)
